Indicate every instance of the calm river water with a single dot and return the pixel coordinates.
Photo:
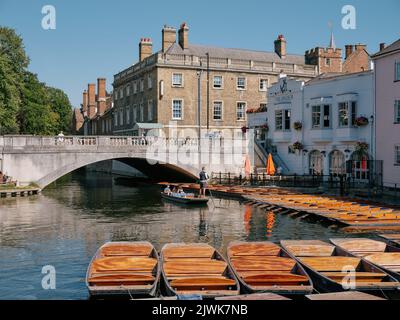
(65, 225)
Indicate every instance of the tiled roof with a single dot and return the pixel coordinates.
(395, 46)
(216, 52)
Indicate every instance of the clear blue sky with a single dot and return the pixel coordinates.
(99, 38)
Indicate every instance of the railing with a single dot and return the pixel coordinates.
(206, 144)
(265, 151)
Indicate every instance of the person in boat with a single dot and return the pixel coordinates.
(167, 190)
(203, 178)
(180, 192)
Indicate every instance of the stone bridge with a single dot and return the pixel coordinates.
(44, 159)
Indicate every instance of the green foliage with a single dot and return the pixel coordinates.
(27, 106)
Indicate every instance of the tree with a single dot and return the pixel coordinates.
(61, 105)
(13, 62)
(36, 115)
(27, 105)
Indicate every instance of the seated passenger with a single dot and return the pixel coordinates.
(167, 190)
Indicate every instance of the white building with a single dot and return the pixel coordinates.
(329, 118)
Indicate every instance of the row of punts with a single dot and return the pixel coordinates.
(295, 268)
(351, 213)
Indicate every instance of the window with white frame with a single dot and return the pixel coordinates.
(128, 114)
(397, 154)
(141, 85)
(177, 80)
(217, 110)
(217, 83)
(134, 113)
(150, 110)
(121, 117)
(177, 109)
(141, 112)
(397, 111)
(149, 82)
(263, 86)
(135, 87)
(347, 113)
(282, 120)
(397, 71)
(241, 111)
(241, 83)
(321, 116)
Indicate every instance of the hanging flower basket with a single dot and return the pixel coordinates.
(244, 129)
(361, 121)
(298, 146)
(248, 111)
(298, 125)
(362, 147)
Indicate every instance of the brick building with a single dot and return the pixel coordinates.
(97, 109)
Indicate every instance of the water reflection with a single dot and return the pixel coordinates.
(66, 224)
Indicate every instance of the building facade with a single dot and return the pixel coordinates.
(387, 111)
(316, 127)
(195, 86)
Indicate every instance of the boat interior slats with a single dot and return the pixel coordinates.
(264, 264)
(188, 252)
(254, 250)
(308, 248)
(389, 260)
(360, 245)
(201, 267)
(124, 264)
(335, 263)
(200, 283)
(142, 250)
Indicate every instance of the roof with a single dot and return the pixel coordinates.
(395, 46)
(148, 125)
(217, 52)
(336, 75)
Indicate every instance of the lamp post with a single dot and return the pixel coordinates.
(199, 74)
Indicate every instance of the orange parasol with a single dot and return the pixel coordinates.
(247, 166)
(270, 166)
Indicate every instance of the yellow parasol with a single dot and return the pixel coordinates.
(270, 166)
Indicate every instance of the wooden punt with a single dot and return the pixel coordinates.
(185, 200)
(197, 269)
(379, 253)
(392, 239)
(124, 269)
(266, 267)
(347, 295)
(256, 297)
(329, 267)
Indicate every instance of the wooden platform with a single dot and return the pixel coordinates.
(12, 193)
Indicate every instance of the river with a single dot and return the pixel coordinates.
(64, 226)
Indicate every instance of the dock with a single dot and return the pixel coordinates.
(19, 192)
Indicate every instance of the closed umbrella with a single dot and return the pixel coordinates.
(247, 166)
(270, 166)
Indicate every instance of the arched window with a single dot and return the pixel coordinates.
(316, 163)
(337, 163)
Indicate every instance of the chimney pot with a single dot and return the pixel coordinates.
(280, 46)
(183, 34)
(168, 37)
(145, 48)
(382, 46)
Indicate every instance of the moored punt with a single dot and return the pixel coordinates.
(393, 239)
(196, 269)
(185, 200)
(332, 269)
(124, 269)
(255, 296)
(266, 267)
(347, 295)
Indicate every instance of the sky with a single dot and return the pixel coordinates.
(99, 38)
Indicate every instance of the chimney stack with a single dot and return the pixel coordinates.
(349, 50)
(101, 96)
(145, 48)
(91, 94)
(168, 37)
(360, 47)
(382, 46)
(84, 101)
(184, 36)
(280, 46)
